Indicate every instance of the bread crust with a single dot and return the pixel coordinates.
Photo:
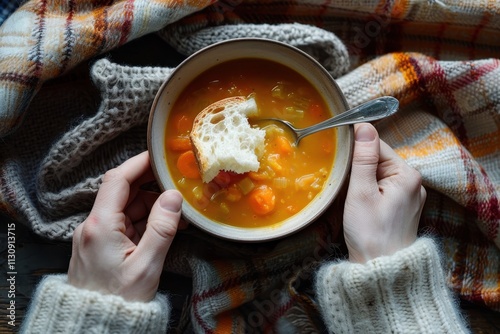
(209, 115)
(195, 135)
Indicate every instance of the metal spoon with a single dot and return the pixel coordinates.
(370, 111)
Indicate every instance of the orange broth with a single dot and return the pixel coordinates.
(289, 176)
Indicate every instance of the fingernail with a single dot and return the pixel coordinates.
(171, 201)
(365, 133)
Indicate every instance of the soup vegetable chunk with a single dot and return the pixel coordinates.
(288, 177)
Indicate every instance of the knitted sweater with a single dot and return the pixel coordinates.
(402, 293)
(59, 307)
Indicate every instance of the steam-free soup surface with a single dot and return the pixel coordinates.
(289, 176)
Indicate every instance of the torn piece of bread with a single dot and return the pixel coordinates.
(224, 140)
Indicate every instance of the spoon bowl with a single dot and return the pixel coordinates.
(367, 112)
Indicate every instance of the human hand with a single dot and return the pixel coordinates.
(121, 247)
(384, 200)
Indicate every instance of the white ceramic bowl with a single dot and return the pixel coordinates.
(251, 48)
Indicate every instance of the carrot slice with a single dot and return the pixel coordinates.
(187, 165)
(262, 200)
(258, 176)
(180, 144)
(283, 145)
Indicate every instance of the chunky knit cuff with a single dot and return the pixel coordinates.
(402, 293)
(59, 307)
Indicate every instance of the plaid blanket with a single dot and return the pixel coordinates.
(439, 58)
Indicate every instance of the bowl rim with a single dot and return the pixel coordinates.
(247, 238)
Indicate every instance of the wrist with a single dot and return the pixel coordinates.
(376, 246)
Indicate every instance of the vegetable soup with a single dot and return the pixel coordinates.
(289, 176)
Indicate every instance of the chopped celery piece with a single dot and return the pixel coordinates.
(293, 112)
(304, 182)
(301, 102)
(182, 183)
(273, 162)
(278, 91)
(246, 185)
(198, 193)
(280, 183)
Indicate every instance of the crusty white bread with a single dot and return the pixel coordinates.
(224, 140)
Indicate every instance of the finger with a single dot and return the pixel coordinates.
(141, 205)
(131, 232)
(390, 163)
(365, 158)
(136, 189)
(140, 227)
(160, 229)
(387, 153)
(423, 196)
(113, 194)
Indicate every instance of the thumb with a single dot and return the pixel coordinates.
(365, 158)
(161, 228)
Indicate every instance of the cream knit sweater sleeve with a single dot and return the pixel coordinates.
(58, 307)
(402, 293)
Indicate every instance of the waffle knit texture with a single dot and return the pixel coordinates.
(79, 125)
(61, 308)
(401, 293)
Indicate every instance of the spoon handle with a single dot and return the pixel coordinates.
(367, 112)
